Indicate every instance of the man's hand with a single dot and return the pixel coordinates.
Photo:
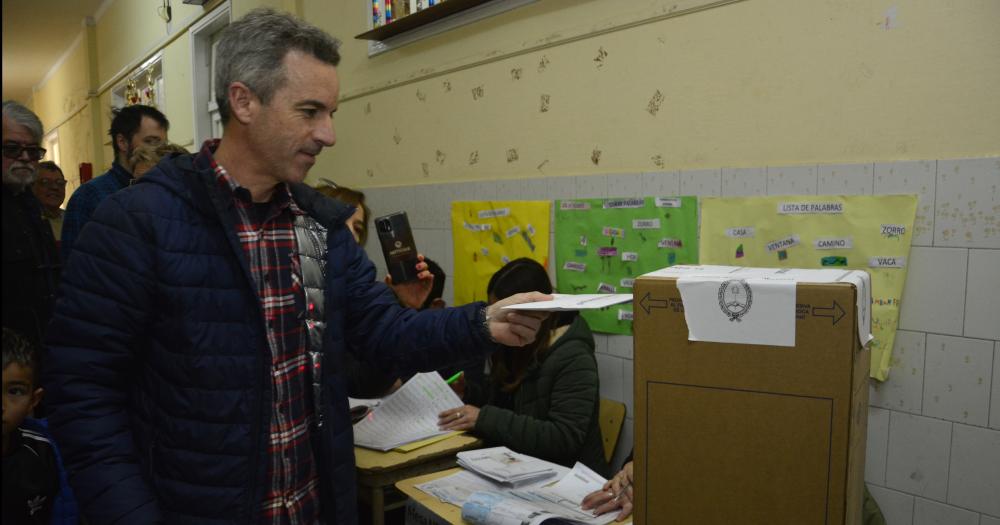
(461, 418)
(413, 294)
(616, 494)
(516, 327)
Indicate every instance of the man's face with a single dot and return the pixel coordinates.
(297, 123)
(50, 188)
(150, 132)
(20, 170)
(19, 396)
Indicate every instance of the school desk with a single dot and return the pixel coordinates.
(378, 471)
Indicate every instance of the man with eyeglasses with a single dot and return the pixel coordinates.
(30, 259)
(131, 127)
(50, 190)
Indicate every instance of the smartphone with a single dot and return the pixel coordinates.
(400, 251)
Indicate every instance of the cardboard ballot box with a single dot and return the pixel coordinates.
(744, 433)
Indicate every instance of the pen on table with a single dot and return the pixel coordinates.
(454, 378)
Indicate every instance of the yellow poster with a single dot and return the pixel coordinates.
(489, 234)
(858, 232)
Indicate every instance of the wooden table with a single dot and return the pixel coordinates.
(446, 511)
(378, 471)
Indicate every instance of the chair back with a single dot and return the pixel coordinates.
(612, 416)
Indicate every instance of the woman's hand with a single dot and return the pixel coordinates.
(615, 494)
(461, 418)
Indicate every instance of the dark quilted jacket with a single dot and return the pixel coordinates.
(553, 414)
(159, 368)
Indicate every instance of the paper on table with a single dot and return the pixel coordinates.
(409, 414)
(506, 466)
(458, 487)
(566, 302)
(575, 486)
(494, 508)
(490, 502)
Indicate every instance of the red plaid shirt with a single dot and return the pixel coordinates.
(268, 241)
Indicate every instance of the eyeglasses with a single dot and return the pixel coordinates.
(50, 183)
(13, 151)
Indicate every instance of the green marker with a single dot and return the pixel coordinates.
(454, 378)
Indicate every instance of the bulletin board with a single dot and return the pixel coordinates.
(858, 232)
(489, 234)
(602, 245)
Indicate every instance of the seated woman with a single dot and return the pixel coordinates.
(542, 399)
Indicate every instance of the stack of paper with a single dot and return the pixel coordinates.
(485, 502)
(506, 466)
(407, 415)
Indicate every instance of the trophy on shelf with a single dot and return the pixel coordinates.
(149, 94)
(131, 92)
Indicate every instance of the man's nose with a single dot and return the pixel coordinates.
(325, 134)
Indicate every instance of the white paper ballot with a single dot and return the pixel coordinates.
(734, 310)
(408, 414)
(565, 302)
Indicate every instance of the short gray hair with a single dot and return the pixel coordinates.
(252, 51)
(25, 117)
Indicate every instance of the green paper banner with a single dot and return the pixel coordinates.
(602, 245)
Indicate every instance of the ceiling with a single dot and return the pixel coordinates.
(36, 33)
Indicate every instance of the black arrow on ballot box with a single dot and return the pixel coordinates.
(835, 312)
(647, 304)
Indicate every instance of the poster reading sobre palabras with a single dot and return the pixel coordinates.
(856, 232)
(602, 245)
(489, 234)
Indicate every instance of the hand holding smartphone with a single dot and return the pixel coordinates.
(398, 248)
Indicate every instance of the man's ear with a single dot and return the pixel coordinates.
(121, 145)
(36, 397)
(242, 102)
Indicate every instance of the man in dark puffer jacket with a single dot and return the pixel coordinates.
(204, 311)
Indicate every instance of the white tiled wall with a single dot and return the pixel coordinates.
(934, 426)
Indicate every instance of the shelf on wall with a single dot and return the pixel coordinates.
(420, 18)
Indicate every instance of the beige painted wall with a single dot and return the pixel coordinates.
(76, 145)
(758, 82)
(53, 106)
(72, 98)
(178, 98)
(130, 31)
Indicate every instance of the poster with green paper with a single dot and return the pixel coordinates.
(602, 245)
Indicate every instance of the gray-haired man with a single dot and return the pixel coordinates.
(205, 312)
(30, 258)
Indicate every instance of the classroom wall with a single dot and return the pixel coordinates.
(749, 83)
(934, 426)
(75, 98)
(755, 97)
(644, 98)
